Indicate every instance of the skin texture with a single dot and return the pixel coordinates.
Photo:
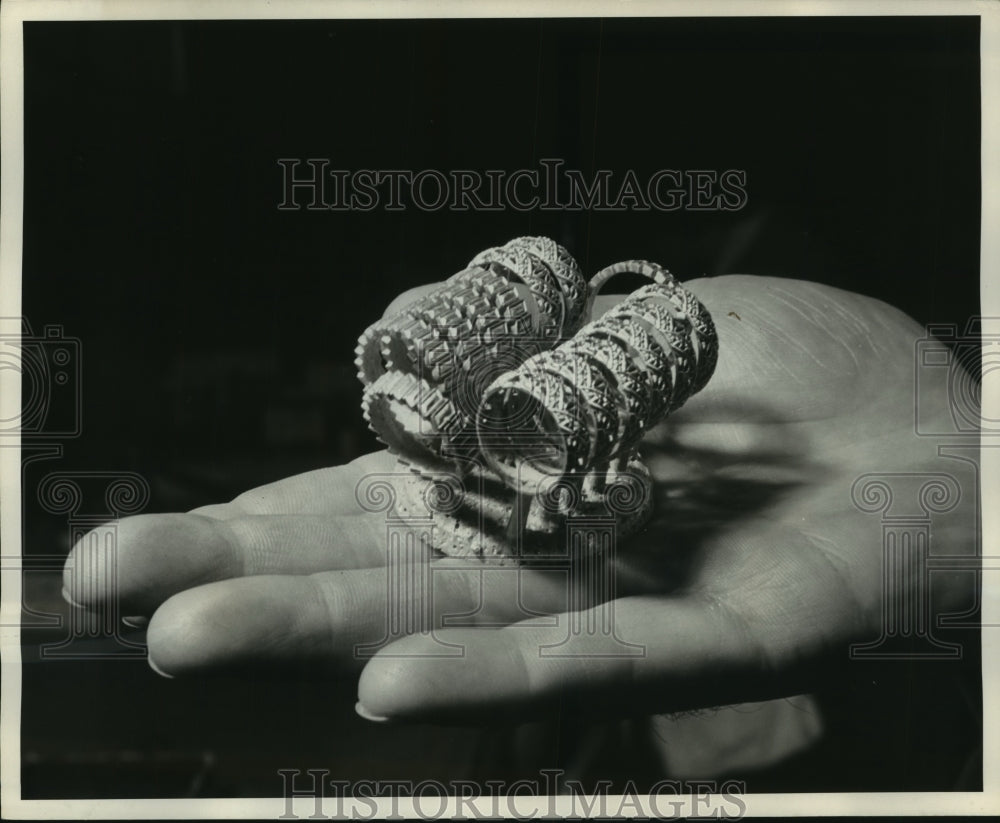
(755, 574)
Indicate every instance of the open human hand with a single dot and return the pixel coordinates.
(752, 578)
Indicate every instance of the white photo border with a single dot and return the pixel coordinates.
(15, 12)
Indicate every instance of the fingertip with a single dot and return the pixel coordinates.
(69, 599)
(167, 653)
(367, 715)
(90, 568)
(249, 620)
(197, 629)
(454, 675)
(378, 686)
(142, 560)
(158, 669)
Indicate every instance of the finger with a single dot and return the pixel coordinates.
(143, 560)
(663, 655)
(329, 617)
(327, 491)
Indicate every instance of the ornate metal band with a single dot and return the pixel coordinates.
(416, 421)
(472, 366)
(511, 302)
(624, 372)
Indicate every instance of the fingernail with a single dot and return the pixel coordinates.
(367, 715)
(137, 622)
(157, 669)
(70, 600)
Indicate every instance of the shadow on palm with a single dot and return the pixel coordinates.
(703, 493)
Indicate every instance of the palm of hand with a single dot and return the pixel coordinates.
(756, 569)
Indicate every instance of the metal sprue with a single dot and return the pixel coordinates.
(511, 415)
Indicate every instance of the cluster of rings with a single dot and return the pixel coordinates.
(573, 409)
(425, 369)
(494, 367)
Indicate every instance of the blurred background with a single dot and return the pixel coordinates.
(212, 334)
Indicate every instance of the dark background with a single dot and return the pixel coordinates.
(216, 332)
